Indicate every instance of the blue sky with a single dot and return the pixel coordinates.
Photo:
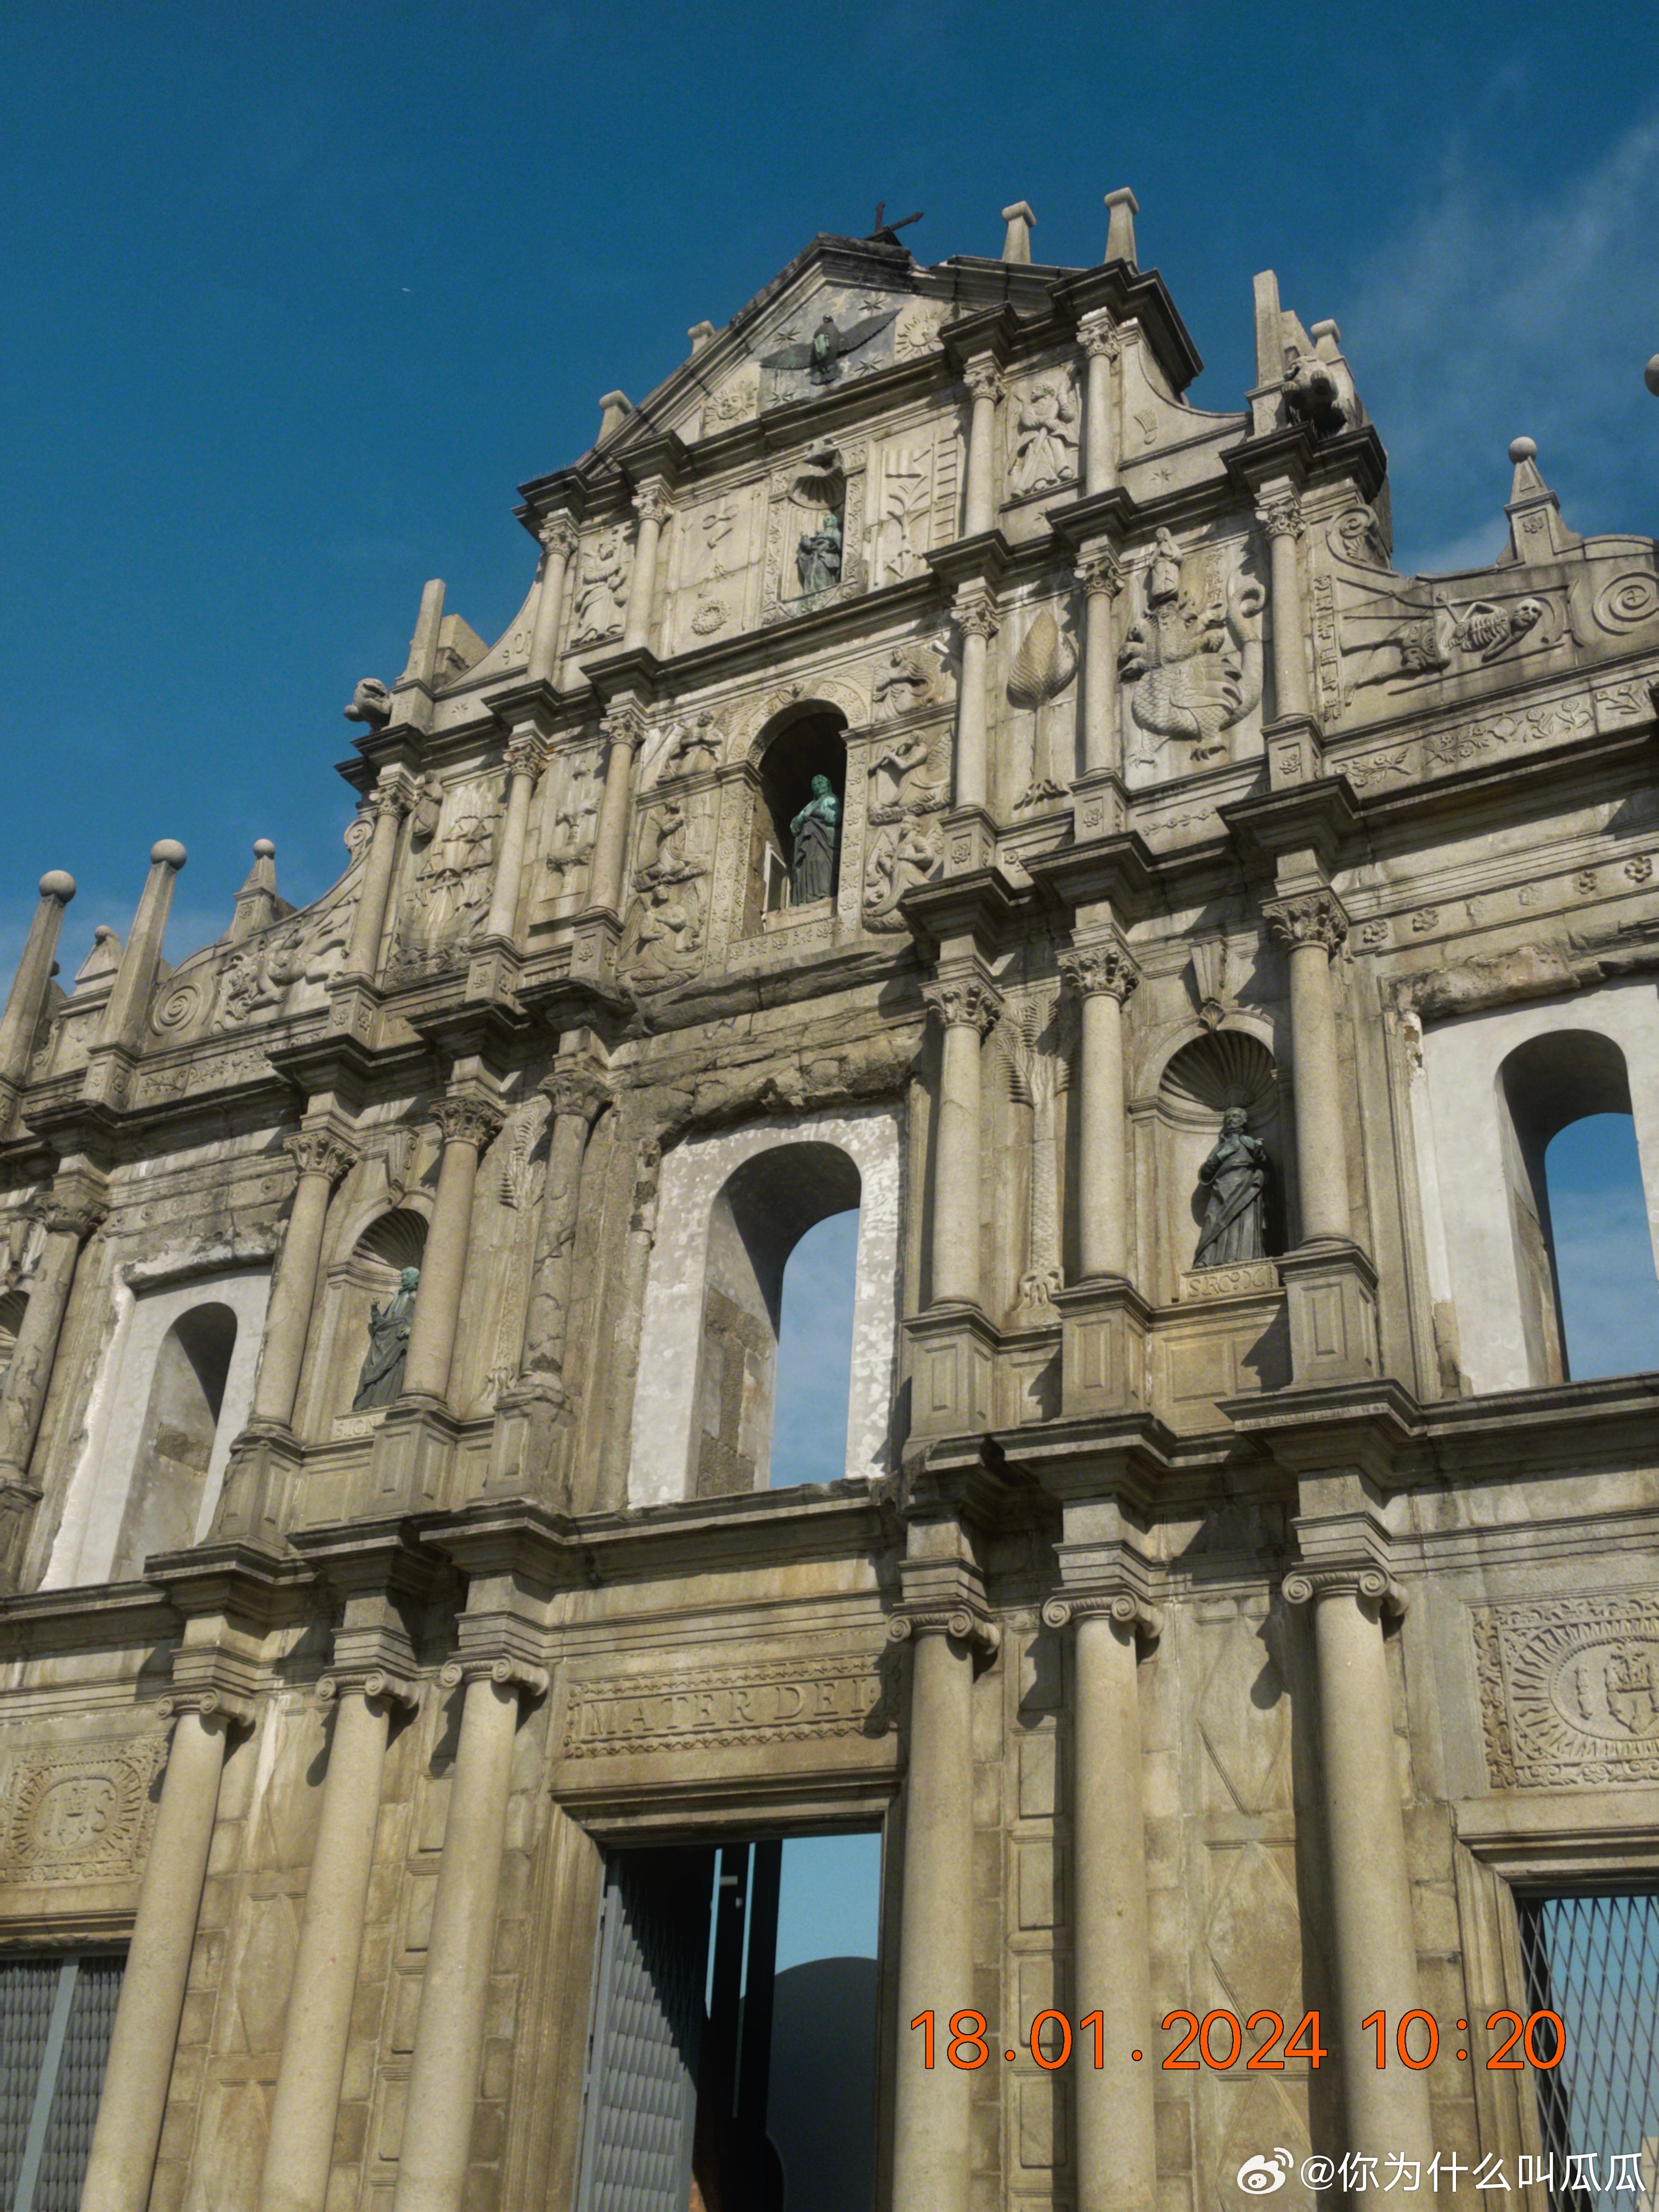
(297, 296)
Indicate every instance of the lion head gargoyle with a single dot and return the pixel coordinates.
(371, 702)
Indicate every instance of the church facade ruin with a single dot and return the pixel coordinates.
(936, 771)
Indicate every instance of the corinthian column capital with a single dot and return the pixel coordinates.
(1280, 515)
(526, 754)
(1098, 335)
(983, 382)
(975, 615)
(1101, 576)
(963, 1002)
(1310, 918)
(557, 535)
(321, 1151)
(1104, 970)
(472, 1121)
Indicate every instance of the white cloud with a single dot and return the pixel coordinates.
(1500, 311)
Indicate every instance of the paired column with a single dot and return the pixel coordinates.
(1117, 2142)
(976, 619)
(388, 806)
(651, 505)
(559, 539)
(300, 2149)
(579, 1097)
(122, 2160)
(526, 755)
(1102, 975)
(968, 1010)
(467, 1125)
(980, 500)
(27, 1000)
(323, 1159)
(1312, 927)
(1102, 347)
(443, 2081)
(1280, 516)
(70, 1222)
(1374, 1943)
(932, 2111)
(623, 728)
(1101, 579)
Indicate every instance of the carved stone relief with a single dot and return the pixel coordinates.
(665, 934)
(81, 1813)
(1569, 1691)
(913, 502)
(715, 549)
(446, 903)
(1443, 751)
(1033, 1038)
(1041, 755)
(572, 824)
(603, 576)
(719, 1708)
(1042, 433)
(1192, 658)
(833, 338)
(909, 790)
(226, 988)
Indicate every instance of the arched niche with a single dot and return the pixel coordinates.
(364, 1276)
(172, 1393)
(1200, 1081)
(730, 1209)
(805, 741)
(1489, 1092)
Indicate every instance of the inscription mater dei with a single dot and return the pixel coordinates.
(759, 1703)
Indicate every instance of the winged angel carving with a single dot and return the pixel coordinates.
(821, 356)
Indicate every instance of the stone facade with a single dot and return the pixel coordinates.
(1231, 1637)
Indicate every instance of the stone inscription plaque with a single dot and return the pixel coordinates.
(1569, 1691)
(79, 1814)
(721, 1707)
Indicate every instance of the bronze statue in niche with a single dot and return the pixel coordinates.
(1236, 1175)
(382, 1377)
(815, 832)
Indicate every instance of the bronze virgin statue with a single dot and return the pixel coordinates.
(1236, 1173)
(382, 1378)
(815, 832)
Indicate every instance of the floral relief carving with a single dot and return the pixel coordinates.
(83, 1812)
(1569, 1691)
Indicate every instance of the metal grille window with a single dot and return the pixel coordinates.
(1595, 1961)
(56, 2015)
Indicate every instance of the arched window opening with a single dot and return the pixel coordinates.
(815, 1354)
(796, 861)
(1590, 1300)
(175, 1443)
(761, 1214)
(13, 1306)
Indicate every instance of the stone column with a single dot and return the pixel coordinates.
(1116, 2145)
(559, 539)
(1374, 1941)
(1102, 580)
(968, 1010)
(27, 1000)
(389, 805)
(70, 1222)
(1102, 347)
(623, 728)
(1312, 927)
(1102, 975)
(526, 755)
(976, 620)
(300, 2148)
(443, 2078)
(135, 2093)
(467, 1125)
(1280, 516)
(323, 1159)
(651, 505)
(980, 500)
(932, 2151)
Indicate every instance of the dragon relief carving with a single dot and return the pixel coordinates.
(1194, 659)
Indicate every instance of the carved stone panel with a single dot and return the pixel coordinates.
(81, 1813)
(757, 1703)
(1569, 1691)
(913, 500)
(713, 583)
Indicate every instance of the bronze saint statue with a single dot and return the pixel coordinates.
(1237, 1174)
(818, 557)
(382, 1378)
(815, 832)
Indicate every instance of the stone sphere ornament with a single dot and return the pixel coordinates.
(1651, 376)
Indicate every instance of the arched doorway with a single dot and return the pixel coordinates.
(175, 1443)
